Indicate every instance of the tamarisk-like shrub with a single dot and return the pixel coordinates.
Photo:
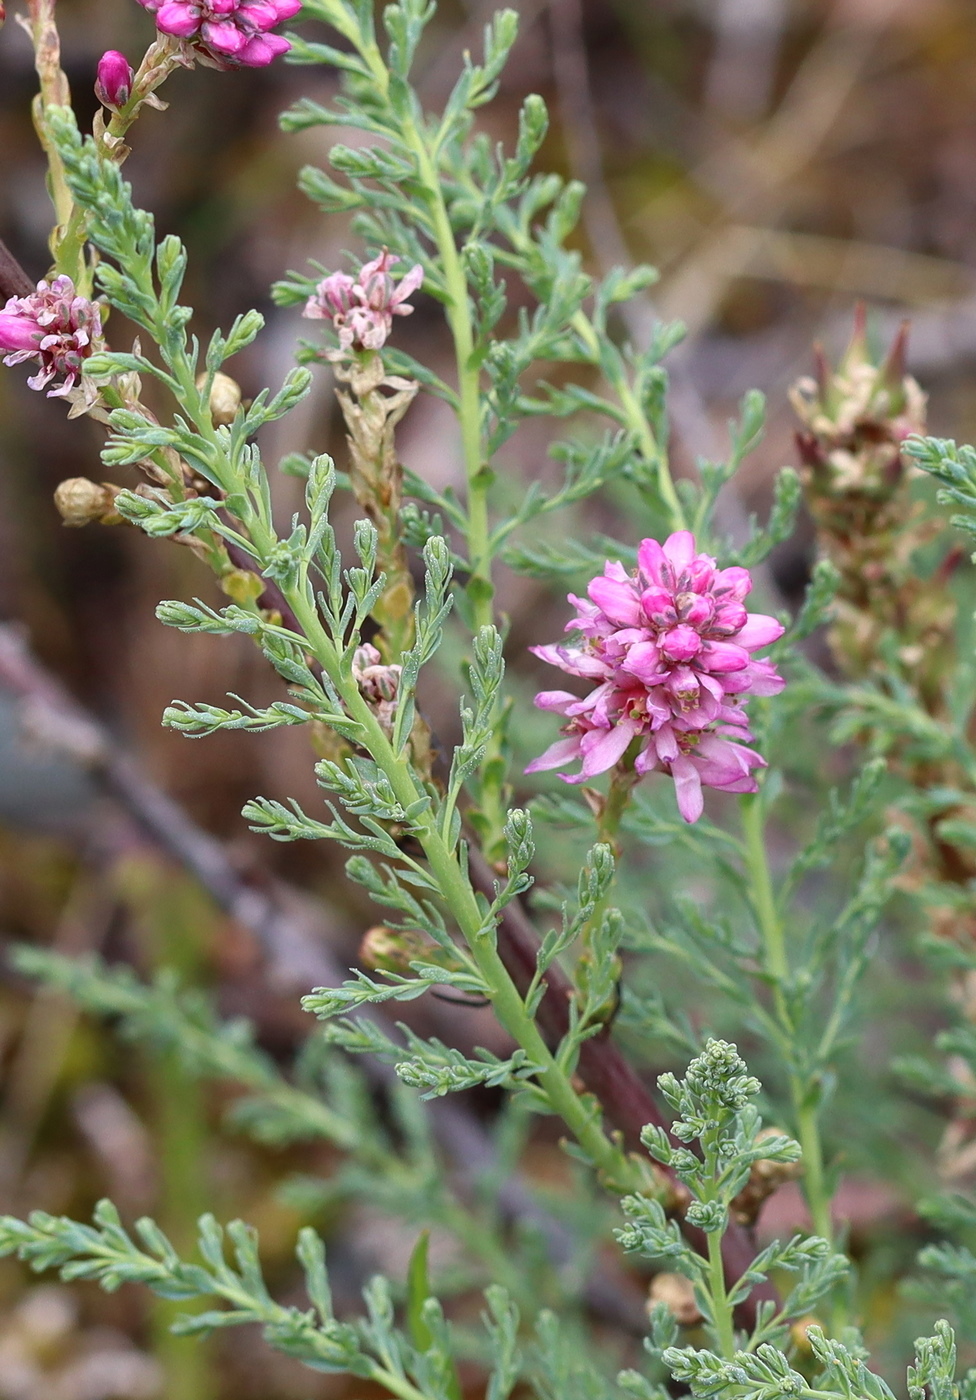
(668, 930)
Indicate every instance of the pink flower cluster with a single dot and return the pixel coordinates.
(230, 33)
(669, 648)
(362, 308)
(55, 326)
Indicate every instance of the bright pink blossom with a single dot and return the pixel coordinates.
(55, 326)
(229, 33)
(669, 648)
(113, 82)
(362, 308)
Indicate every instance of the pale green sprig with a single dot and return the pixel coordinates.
(198, 720)
(170, 1017)
(767, 1374)
(373, 1348)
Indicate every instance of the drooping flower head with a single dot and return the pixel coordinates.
(362, 308)
(227, 33)
(670, 650)
(55, 326)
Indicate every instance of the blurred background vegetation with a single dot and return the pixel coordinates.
(778, 160)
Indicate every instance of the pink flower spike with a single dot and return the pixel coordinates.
(55, 327)
(113, 81)
(667, 651)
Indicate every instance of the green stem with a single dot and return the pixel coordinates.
(480, 588)
(458, 895)
(722, 1318)
(777, 964)
(638, 424)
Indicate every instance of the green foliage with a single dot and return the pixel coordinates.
(781, 947)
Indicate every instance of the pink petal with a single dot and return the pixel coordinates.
(576, 662)
(723, 656)
(681, 643)
(618, 600)
(646, 760)
(644, 662)
(554, 700)
(666, 743)
(687, 787)
(407, 284)
(602, 748)
(736, 580)
(658, 603)
(650, 557)
(259, 14)
(19, 333)
(178, 19)
(557, 755)
(699, 611)
(223, 36)
(759, 631)
(765, 679)
(679, 549)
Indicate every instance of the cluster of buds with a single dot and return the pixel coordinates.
(362, 308)
(857, 488)
(226, 33)
(54, 326)
(669, 648)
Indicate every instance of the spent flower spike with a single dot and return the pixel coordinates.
(55, 326)
(113, 82)
(227, 33)
(670, 650)
(362, 308)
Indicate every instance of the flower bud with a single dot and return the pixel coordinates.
(83, 502)
(678, 1295)
(393, 950)
(113, 84)
(225, 398)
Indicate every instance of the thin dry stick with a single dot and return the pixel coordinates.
(14, 281)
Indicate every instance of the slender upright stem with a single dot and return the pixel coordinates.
(457, 892)
(777, 964)
(722, 1312)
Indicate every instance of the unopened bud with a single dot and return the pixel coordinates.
(225, 398)
(678, 1295)
(113, 84)
(243, 586)
(393, 950)
(800, 1333)
(388, 950)
(83, 502)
